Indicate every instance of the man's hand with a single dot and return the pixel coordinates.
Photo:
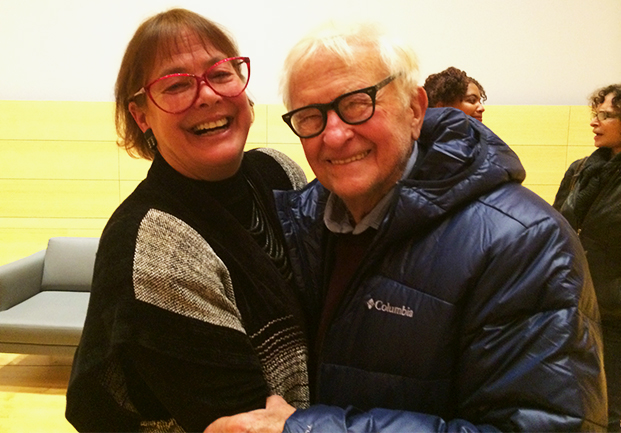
(269, 420)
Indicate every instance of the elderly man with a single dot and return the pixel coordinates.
(448, 297)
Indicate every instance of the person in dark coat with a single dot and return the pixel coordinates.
(448, 297)
(590, 198)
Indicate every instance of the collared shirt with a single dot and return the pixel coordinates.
(338, 219)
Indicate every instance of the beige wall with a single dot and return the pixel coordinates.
(537, 52)
(61, 173)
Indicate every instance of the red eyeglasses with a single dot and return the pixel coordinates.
(175, 93)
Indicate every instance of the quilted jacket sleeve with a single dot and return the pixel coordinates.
(331, 419)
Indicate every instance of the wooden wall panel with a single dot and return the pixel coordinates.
(578, 152)
(61, 173)
(20, 241)
(54, 198)
(258, 130)
(278, 131)
(131, 168)
(546, 138)
(580, 131)
(542, 163)
(57, 120)
(538, 125)
(58, 160)
(127, 187)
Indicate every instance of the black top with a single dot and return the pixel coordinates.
(589, 197)
(189, 319)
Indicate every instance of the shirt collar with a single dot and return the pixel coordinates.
(338, 220)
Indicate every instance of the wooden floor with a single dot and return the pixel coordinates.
(32, 393)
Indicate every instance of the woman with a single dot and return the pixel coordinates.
(191, 315)
(590, 198)
(453, 88)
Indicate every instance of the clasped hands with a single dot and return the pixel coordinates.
(269, 420)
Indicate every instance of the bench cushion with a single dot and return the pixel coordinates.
(48, 318)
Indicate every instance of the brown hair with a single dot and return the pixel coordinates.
(598, 97)
(157, 38)
(449, 86)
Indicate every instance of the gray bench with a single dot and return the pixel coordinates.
(44, 297)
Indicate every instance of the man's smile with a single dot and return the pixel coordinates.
(357, 157)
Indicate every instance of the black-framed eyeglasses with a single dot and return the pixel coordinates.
(603, 115)
(176, 93)
(352, 108)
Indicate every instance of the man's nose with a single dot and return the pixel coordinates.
(336, 132)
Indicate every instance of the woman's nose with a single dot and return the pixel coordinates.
(205, 93)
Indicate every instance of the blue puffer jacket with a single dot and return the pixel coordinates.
(472, 310)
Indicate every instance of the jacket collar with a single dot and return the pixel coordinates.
(459, 161)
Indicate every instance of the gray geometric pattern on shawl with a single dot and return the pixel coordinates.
(284, 358)
(177, 270)
(294, 172)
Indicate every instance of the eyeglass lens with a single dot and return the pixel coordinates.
(603, 115)
(176, 93)
(353, 108)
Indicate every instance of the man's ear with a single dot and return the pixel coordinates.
(418, 105)
(140, 116)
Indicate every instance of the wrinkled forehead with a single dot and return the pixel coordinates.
(326, 61)
(172, 42)
(185, 41)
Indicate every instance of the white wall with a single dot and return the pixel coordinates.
(549, 52)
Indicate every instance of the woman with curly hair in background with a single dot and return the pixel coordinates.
(590, 198)
(454, 88)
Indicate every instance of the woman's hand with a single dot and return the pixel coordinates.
(269, 420)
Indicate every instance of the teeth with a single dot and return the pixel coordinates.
(352, 159)
(210, 125)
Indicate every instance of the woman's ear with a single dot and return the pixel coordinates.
(140, 116)
(418, 105)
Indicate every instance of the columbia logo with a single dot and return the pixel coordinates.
(387, 308)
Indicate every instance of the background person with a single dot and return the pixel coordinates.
(448, 295)
(454, 88)
(590, 198)
(192, 315)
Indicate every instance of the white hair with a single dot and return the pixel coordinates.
(341, 40)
